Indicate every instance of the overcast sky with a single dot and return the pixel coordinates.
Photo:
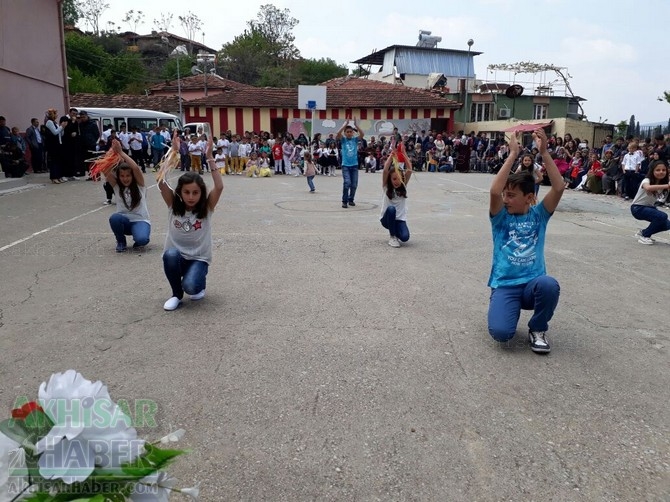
(615, 51)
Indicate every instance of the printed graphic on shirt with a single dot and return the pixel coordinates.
(521, 243)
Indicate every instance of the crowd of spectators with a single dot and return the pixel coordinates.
(63, 147)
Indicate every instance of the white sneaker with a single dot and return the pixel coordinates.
(198, 296)
(645, 240)
(172, 303)
(638, 234)
(538, 342)
(394, 242)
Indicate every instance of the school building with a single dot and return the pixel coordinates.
(379, 107)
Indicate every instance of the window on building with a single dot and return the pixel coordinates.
(481, 112)
(539, 112)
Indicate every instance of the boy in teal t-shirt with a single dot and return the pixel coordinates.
(518, 277)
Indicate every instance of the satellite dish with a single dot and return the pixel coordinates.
(514, 91)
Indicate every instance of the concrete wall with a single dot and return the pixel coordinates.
(32, 76)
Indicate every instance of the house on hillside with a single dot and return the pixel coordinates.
(33, 72)
(379, 106)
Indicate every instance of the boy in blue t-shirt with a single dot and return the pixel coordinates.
(518, 275)
(349, 144)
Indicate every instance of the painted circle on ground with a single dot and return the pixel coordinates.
(322, 206)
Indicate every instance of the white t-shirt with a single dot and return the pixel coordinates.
(223, 143)
(642, 198)
(190, 235)
(220, 160)
(195, 148)
(135, 145)
(139, 213)
(124, 137)
(400, 204)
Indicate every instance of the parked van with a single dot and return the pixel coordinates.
(132, 117)
(199, 128)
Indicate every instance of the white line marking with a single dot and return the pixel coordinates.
(15, 243)
(3, 248)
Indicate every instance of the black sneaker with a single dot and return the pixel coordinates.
(352, 204)
(344, 205)
(538, 342)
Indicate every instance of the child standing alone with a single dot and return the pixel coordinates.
(518, 277)
(310, 171)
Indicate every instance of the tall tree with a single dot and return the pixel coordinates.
(621, 128)
(191, 24)
(134, 19)
(71, 13)
(164, 23)
(276, 26)
(244, 59)
(631, 126)
(91, 10)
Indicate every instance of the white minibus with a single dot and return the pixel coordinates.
(132, 117)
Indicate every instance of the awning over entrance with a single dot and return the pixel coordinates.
(529, 127)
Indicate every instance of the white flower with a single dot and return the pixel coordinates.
(89, 429)
(154, 488)
(13, 470)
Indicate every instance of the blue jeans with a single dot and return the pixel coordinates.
(540, 295)
(157, 155)
(310, 182)
(350, 183)
(658, 219)
(397, 228)
(184, 276)
(121, 226)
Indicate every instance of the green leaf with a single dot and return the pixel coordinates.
(14, 429)
(153, 460)
(38, 424)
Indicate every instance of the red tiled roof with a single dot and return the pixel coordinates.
(197, 82)
(156, 103)
(342, 93)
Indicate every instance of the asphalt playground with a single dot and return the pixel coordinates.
(324, 365)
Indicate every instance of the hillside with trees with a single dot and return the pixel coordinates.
(103, 59)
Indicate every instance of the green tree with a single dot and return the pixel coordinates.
(245, 58)
(79, 82)
(84, 54)
(631, 126)
(276, 27)
(91, 11)
(315, 71)
(170, 69)
(666, 96)
(121, 73)
(621, 128)
(71, 13)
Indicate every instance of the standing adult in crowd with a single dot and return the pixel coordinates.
(36, 145)
(70, 144)
(54, 145)
(88, 139)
